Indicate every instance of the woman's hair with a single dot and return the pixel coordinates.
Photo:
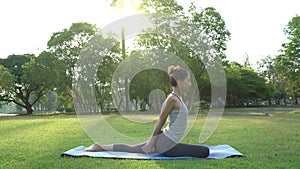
(176, 73)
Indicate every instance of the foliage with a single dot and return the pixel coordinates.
(191, 36)
(47, 103)
(166, 7)
(288, 63)
(19, 81)
(145, 82)
(27, 79)
(7, 81)
(94, 69)
(66, 46)
(243, 85)
(212, 24)
(277, 83)
(105, 74)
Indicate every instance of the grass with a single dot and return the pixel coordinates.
(38, 141)
(295, 112)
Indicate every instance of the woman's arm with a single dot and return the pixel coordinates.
(166, 109)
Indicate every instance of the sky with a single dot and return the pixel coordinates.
(256, 26)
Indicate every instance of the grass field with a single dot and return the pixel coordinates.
(38, 141)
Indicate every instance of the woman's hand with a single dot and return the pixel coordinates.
(149, 146)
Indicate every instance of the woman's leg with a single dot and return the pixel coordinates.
(164, 146)
(168, 147)
(116, 147)
(97, 147)
(128, 148)
(193, 150)
(163, 143)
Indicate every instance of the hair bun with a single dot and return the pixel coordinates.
(173, 69)
(176, 73)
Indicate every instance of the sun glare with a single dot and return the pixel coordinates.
(130, 7)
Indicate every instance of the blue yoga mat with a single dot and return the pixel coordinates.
(216, 152)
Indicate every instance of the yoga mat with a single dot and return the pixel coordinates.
(216, 152)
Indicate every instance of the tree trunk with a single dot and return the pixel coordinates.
(28, 108)
(102, 107)
(296, 97)
(126, 95)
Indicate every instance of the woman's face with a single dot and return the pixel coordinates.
(186, 83)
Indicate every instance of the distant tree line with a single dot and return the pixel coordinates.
(44, 82)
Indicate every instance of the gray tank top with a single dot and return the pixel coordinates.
(177, 122)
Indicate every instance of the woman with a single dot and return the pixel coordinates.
(166, 141)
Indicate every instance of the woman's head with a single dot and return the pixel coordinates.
(179, 76)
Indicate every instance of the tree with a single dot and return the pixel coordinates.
(215, 36)
(94, 69)
(148, 78)
(288, 63)
(66, 46)
(191, 36)
(47, 103)
(25, 77)
(105, 72)
(211, 22)
(7, 81)
(245, 85)
(145, 82)
(268, 70)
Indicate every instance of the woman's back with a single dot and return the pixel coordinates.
(177, 122)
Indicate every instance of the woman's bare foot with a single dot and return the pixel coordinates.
(94, 148)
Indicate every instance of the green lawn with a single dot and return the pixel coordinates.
(38, 141)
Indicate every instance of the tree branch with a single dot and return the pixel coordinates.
(41, 93)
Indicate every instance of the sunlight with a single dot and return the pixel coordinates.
(128, 7)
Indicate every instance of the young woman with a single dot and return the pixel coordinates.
(166, 141)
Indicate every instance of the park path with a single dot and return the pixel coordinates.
(1, 114)
(270, 108)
